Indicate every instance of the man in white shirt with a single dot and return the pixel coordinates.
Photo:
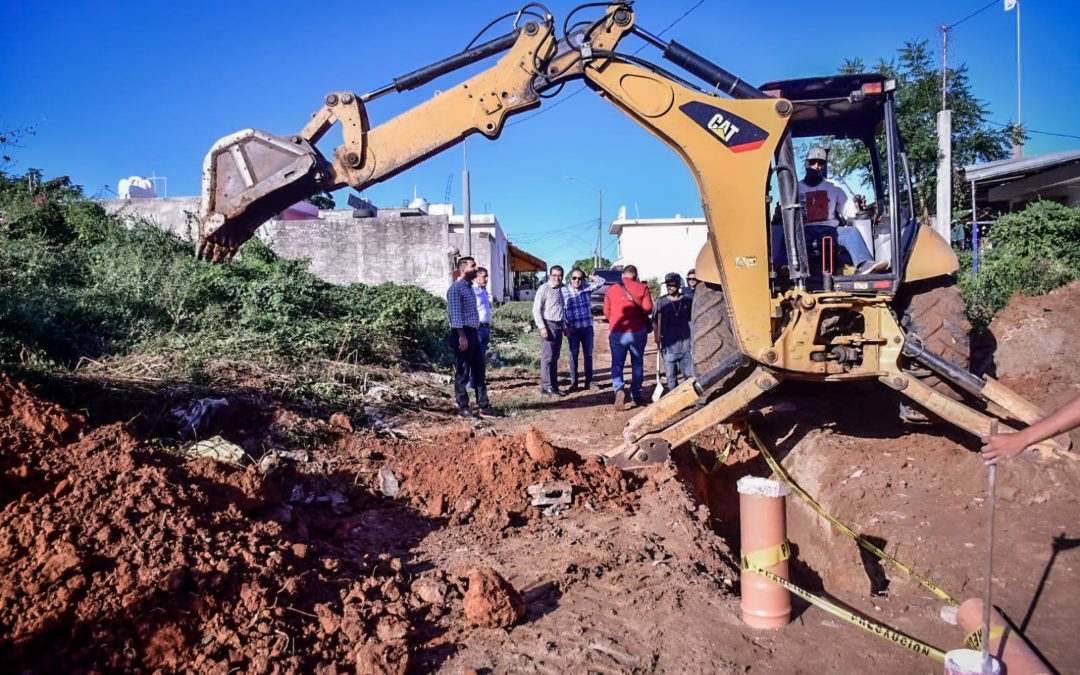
(824, 202)
(483, 309)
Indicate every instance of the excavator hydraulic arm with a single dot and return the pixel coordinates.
(252, 175)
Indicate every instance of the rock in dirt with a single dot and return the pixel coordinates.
(540, 450)
(431, 591)
(490, 601)
(341, 421)
(388, 483)
(379, 658)
(218, 448)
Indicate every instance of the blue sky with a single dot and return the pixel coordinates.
(121, 88)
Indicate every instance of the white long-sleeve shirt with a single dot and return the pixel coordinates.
(483, 303)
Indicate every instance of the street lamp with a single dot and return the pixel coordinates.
(599, 221)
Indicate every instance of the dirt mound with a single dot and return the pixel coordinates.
(1032, 350)
(133, 557)
(484, 478)
(26, 418)
(1032, 346)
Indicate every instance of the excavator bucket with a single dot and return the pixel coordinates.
(248, 178)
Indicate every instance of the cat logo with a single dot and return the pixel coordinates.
(734, 132)
(722, 127)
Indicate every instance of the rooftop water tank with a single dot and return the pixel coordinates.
(420, 204)
(136, 187)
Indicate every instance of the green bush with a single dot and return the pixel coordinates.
(75, 283)
(1032, 252)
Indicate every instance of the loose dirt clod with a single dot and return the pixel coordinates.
(540, 450)
(490, 601)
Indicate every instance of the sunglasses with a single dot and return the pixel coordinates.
(691, 280)
(576, 278)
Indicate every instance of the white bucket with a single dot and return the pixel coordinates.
(866, 228)
(969, 662)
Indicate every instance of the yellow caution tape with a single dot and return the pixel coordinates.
(766, 557)
(905, 641)
(974, 641)
(782, 475)
(718, 462)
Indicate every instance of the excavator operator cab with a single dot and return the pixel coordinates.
(859, 109)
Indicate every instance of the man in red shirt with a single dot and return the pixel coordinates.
(627, 307)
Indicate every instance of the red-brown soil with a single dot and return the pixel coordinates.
(119, 554)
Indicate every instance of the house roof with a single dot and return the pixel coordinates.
(1004, 169)
(520, 261)
(618, 224)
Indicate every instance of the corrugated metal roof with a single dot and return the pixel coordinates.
(1003, 168)
(520, 261)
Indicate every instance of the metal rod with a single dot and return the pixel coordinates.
(915, 349)
(429, 72)
(992, 480)
(649, 37)
(709, 379)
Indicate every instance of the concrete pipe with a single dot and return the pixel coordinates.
(763, 527)
(1009, 646)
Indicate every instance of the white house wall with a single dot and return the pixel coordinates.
(658, 248)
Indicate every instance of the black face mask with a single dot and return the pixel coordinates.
(813, 176)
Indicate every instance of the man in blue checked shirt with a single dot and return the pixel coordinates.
(464, 342)
(579, 323)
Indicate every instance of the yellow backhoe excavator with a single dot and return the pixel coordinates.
(772, 307)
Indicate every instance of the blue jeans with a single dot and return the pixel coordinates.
(676, 362)
(620, 344)
(581, 339)
(851, 240)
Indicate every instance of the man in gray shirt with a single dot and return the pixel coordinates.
(548, 313)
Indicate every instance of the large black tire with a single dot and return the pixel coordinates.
(712, 340)
(934, 310)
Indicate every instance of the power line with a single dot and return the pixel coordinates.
(1035, 131)
(973, 14)
(582, 88)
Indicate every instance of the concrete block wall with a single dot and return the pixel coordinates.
(394, 246)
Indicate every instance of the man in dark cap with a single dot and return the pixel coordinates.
(671, 329)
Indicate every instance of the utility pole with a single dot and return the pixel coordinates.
(1019, 118)
(943, 219)
(1018, 145)
(599, 231)
(599, 221)
(466, 199)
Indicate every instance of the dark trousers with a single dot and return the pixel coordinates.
(485, 338)
(549, 356)
(580, 339)
(468, 363)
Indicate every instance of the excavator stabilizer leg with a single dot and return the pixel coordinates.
(655, 445)
(964, 417)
